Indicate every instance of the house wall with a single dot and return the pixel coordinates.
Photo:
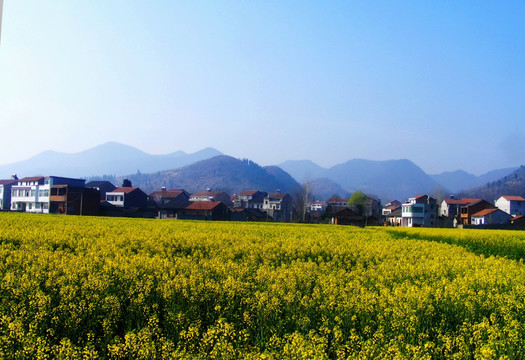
(513, 207)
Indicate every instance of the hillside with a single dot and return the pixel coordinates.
(460, 180)
(391, 179)
(109, 158)
(219, 173)
(512, 184)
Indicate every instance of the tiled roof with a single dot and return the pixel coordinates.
(484, 212)
(8, 182)
(277, 195)
(419, 196)
(513, 198)
(463, 201)
(206, 193)
(517, 217)
(125, 190)
(249, 192)
(98, 183)
(203, 205)
(32, 178)
(167, 194)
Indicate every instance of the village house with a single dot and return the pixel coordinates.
(420, 210)
(490, 217)
(170, 202)
(347, 216)
(31, 194)
(278, 206)
(127, 197)
(209, 195)
(73, 200)
(466, 211)
(450, 207)
(205, 210)
(102, 186)
(390, 207)
(249, 199)
(317, 206)
(512, 205)
(5, 194)
(394, 218)
(337, 203)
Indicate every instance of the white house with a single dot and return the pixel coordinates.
(490, 217)
(513, 205)
(419, 211)
(31, 194)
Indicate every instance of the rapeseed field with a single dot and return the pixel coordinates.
(89, 288)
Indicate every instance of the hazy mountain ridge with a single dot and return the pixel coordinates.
(218, 173)
(109, 158)
(510, 184)
(390, 179)
(460, 180)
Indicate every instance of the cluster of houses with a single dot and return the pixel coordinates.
(61, 195)
(424, 210)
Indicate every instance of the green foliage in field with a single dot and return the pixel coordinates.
(79, 287)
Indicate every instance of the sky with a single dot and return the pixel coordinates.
(441, 83)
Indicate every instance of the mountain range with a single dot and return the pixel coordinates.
(391, 179)
(510, 184)
(221, 172)
(387, 180)
(111, 158)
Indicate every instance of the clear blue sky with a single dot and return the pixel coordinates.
(441, 83)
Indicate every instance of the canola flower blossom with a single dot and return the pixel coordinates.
(89, 288)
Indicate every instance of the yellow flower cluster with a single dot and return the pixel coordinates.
(87, 287)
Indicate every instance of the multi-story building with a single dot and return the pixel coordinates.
(5, 193)
(279, 206)
(249, 199)
(419, 211)
(512, 205)
(31, 194)
(127, 197)
(466, 211)
(209, 195)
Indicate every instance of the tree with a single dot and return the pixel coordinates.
(358, 202)
(301, 198)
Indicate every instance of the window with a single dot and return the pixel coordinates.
(33, 193)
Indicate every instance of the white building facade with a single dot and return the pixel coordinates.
(419, 211)
(31, 194)
(512, 205)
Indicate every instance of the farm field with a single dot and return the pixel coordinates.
(89, 288)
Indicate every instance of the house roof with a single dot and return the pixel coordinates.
(32, 178)
(249, 192)
(167, 194)
(392, 207)
(463, 201)
(98, 183)
(207, 193)
(203, 205)
(396, 213)
(518, 217)
(485, 212)
(513, 198)
(333, 200)
(8, 182)
(278, 196)
(125, 190)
